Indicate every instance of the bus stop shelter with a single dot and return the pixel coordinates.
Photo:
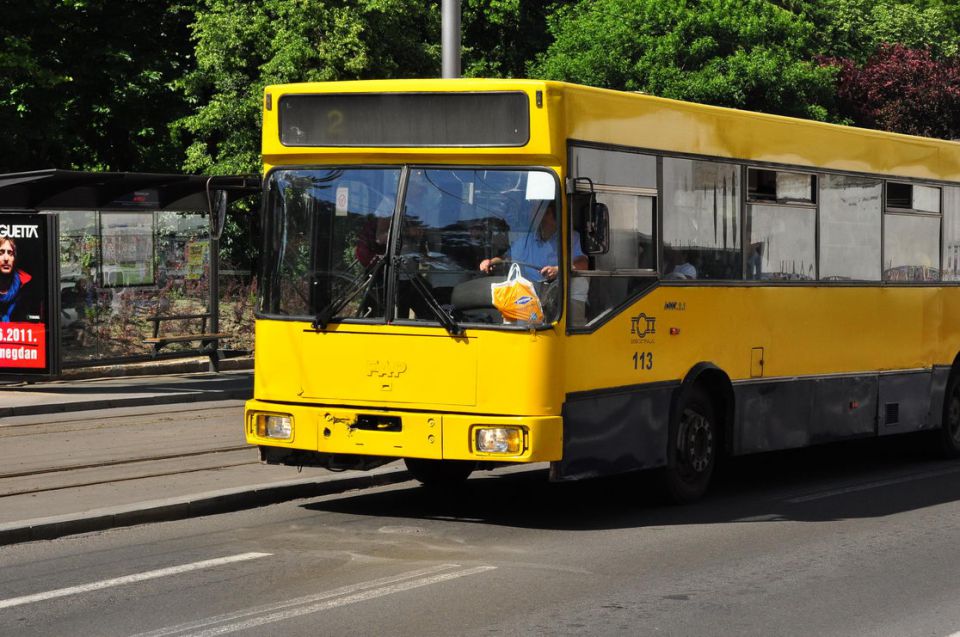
(110, 267)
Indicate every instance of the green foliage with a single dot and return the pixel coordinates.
(739, 53)
(500, 37)
(150, 86)
(242, 47)
(88, 84)
(856, 29)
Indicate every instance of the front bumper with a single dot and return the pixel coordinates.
(404, 434)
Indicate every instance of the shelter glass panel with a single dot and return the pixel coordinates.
(109, 307)
(81, 309)
(127, 248)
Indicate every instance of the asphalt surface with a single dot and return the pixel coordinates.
(92, 454)
(855, 540)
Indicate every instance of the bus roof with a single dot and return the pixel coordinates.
(564, 112)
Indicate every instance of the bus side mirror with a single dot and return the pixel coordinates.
(597, 228)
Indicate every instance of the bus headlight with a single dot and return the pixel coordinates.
(274, 426)
(499, 439)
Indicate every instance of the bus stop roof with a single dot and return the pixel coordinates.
(55, 189)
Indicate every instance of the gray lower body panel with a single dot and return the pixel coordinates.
(786, 414)
(614, 431)
(798, 412)
(625, 429)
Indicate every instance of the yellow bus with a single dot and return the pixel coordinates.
(464, 273)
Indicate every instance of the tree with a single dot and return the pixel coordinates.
(501, 37)
(902, 90)
(242, 47)
(87, 84)
(856, 29)
(738, 53)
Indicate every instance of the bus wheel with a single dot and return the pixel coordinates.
(693, 449)
(435, 473)
(948, 437)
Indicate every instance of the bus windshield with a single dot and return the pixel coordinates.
(340, 247)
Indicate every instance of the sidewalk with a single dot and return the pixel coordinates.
(148, 449)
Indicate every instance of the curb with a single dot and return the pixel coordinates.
(151, 368)
(210, 503)
(139, 401)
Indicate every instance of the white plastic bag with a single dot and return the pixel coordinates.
(517, 298)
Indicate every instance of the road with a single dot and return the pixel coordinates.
(859, 539)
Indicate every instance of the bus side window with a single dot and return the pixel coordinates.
(701, 219)
(630, 260)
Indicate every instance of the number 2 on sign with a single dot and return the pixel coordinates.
(643, 360)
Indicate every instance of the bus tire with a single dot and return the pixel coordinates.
(436, 473)
(947, 438)
(693, 448)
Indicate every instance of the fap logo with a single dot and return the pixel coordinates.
(386, 369)
(641, 325)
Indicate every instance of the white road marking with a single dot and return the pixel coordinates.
(308, 599)
(351, 594)
(128, 579)
(873, 485)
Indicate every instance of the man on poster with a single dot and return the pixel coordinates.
(15, 289)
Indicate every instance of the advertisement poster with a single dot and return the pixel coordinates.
(197, 256)
(24, 302)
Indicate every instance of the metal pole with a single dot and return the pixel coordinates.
(214, 302)
(450, 38)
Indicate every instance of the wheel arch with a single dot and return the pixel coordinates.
(955, 367)
(719, 388)
(939, 391)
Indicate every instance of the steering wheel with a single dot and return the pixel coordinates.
(503, 267)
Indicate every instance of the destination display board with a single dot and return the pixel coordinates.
(405, 119)
(27, 318)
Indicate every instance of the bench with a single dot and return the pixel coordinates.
(204, 338)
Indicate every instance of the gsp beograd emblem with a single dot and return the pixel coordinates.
(385, 369)
(642, 325)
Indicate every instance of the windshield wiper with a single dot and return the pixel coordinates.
(337, 303)
(446, 320)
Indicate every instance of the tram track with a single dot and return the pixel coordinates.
(105, 457)
(105, 421)
(32, 482)
(114, 463)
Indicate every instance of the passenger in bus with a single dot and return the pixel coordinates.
(372, 240)
(682, 268)
(755, 261)
(373, 235)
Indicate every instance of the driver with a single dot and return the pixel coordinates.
(538, 252)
